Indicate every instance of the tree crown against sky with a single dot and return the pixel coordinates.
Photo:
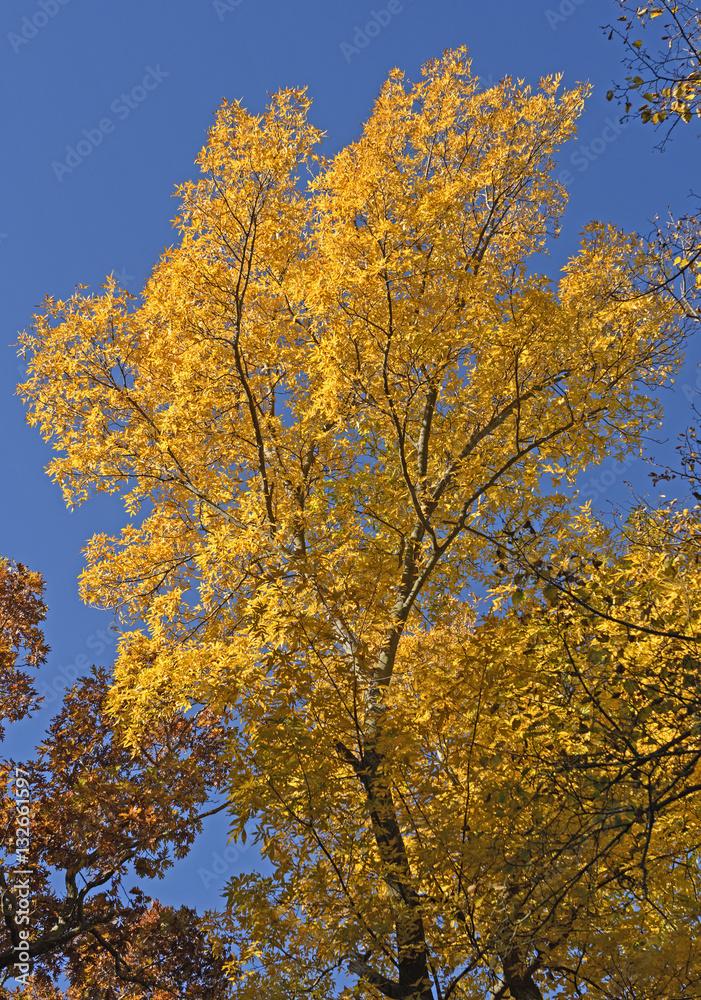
(337, 401)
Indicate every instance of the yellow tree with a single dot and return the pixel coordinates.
(334, 398)
(596, 744)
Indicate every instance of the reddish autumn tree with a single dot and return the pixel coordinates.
(99, 814)
(22, 645)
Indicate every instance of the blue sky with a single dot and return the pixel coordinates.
(106, 106)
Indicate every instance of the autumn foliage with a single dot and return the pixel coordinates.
(662, 57)
(346, 407)
(100, 813)
(22, 645)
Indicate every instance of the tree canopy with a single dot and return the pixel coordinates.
(346, 409)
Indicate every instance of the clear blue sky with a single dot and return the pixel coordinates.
(157, 71)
